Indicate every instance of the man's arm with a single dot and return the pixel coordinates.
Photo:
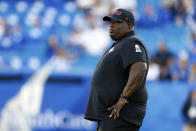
(136, 75)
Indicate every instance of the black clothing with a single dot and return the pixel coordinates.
(116, 125)
(186, 108)
(110, 78)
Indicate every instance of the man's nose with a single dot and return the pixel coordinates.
(111, 25)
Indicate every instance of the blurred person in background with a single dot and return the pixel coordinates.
(192, 75)
(82, 17)
(118, 93)
(54, 49)
(149, 18)
(191, 17)
(179, 11)
(52, 46)
(164, 13)
(164, 73)
(100, 8)
(130, 5)
(90, 31)
(85, 4)
(61, 56)
(90, 20)
(98, 36)
(74, 44)
(154, 71)
(2, 26)
(193, 42)
(181, 72)
(171, 64)
(6, 40)
(74, 38)
(11, 36)
(36, 30)
(17, 34)
(189, 112)
(192, 47)
(194, 9)
(163, 55)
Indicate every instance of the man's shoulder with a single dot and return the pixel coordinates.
(135, 39)
(130, 41)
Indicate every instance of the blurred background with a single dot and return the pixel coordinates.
(49, 50)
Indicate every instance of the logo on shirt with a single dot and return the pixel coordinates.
(112, 49)
(137, 48)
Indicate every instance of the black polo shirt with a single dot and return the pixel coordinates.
(110, 78)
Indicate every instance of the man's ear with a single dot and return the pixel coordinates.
(130, 26)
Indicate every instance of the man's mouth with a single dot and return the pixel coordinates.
(112, 31)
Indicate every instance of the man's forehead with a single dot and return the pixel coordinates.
(118, 22)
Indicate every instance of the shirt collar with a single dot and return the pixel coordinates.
(127, 35)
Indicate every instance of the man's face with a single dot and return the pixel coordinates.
(118, 30)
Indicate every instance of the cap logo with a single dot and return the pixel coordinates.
(117, 12)
(126, 18)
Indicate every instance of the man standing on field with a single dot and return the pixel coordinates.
(118, 93)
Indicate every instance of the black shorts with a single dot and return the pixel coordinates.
(116, 125)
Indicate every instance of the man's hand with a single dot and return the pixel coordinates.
(117, 107)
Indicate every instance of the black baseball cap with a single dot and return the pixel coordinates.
(120, 15)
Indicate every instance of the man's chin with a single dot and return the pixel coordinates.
(113, 37)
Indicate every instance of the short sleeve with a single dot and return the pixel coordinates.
(132, 52)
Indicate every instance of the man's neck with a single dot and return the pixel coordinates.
(129, 33)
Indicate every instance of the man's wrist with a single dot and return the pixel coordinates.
(124, 97)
